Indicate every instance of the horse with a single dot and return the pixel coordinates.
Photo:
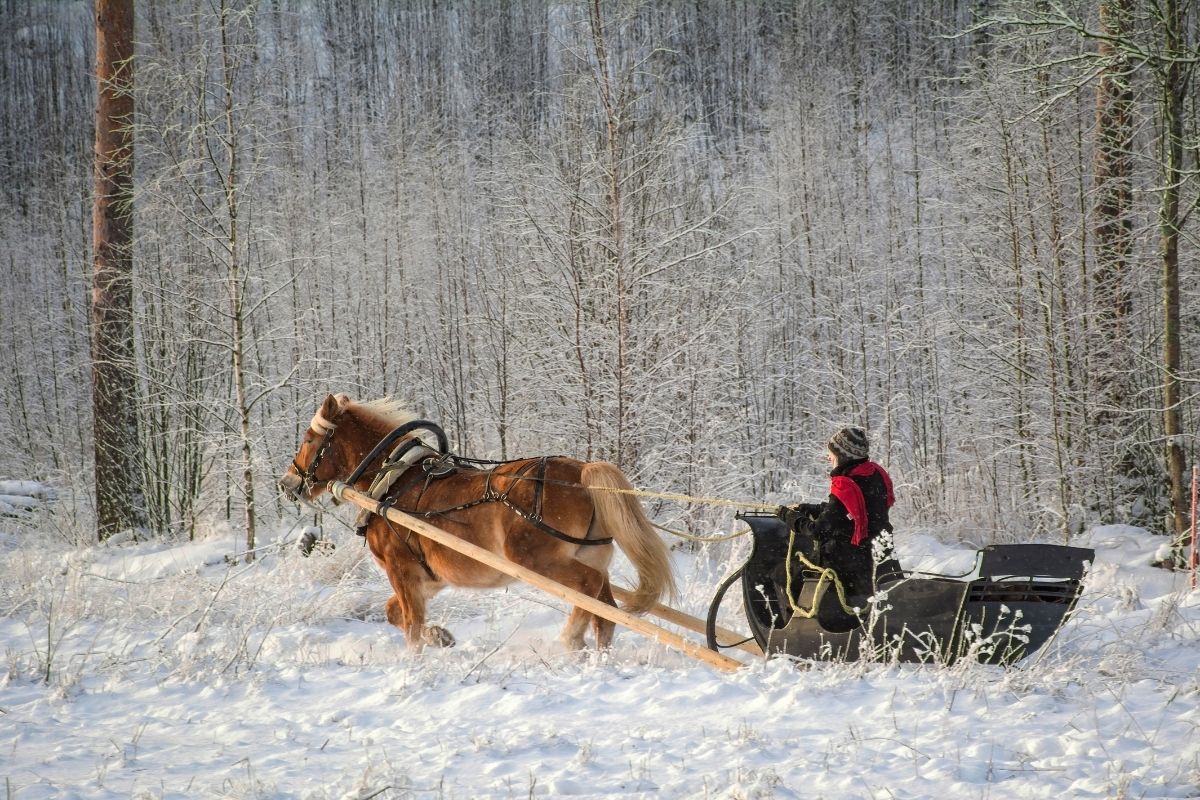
(555, 515)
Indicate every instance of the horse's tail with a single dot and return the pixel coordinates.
(620, 516)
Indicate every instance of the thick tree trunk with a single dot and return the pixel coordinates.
(1113, 177)
(1109, 356)
(119, 498)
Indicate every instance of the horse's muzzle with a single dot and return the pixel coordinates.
(290, 485)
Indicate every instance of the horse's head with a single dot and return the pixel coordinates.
(318, 461)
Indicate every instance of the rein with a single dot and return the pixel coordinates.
(691, 537)
(534, 518)
(683, 498)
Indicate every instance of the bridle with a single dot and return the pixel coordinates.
(308, 477)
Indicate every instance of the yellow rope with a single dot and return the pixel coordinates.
(682, 498)
(827, 575)
(687, 498)
(384, 479)
(725, 537)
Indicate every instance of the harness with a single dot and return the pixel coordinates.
(413, 461)
(309, 476)
(438, 467)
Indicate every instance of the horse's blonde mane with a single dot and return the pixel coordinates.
(388, 410)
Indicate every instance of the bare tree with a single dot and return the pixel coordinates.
(1111, 352)
(216, 353)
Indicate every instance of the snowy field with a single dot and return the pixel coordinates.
(164, 670)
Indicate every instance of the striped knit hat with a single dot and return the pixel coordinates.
(850, 444)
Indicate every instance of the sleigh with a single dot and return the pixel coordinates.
(1008, 607)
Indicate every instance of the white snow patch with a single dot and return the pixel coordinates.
(21, 497)
(34, 489)
(167, 670)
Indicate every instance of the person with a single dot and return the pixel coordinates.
(845, 526)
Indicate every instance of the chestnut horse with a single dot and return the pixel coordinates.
(535, 512)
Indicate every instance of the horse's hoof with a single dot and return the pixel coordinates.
(438, 636)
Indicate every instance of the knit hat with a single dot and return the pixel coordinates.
(850, 444)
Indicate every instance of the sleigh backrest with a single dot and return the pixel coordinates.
(1034, 561)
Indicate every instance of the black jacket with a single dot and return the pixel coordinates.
(832, 529)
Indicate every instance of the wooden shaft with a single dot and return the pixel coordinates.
(694, 623)
(597, 607)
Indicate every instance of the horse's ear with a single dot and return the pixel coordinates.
(332, 406)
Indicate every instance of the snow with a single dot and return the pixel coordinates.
(27, 488)
(18, 497)
(174, 670)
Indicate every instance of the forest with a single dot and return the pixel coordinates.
(691, 238)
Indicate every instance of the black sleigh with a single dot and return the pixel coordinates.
(1005, 609)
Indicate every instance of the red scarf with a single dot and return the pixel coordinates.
(848, 492)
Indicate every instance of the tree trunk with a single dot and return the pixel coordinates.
(120, 503)
(1114, 142)
(1110, 356)
(615, 240)
(1174, 95)
(237, 285)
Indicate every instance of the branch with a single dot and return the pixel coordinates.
(273, 388)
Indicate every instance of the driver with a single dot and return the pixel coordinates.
(845, 525)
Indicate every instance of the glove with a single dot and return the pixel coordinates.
(789, 515)
(808, 510)
(801, 512)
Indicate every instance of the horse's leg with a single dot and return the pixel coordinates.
(411, 585)
(584, 579)
(406, 610)
(572, 632)
(436, 635)
(603, 628)
(598, 558)
(586, 571)
(397, 613)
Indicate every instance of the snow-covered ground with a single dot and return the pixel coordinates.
(166, 670)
